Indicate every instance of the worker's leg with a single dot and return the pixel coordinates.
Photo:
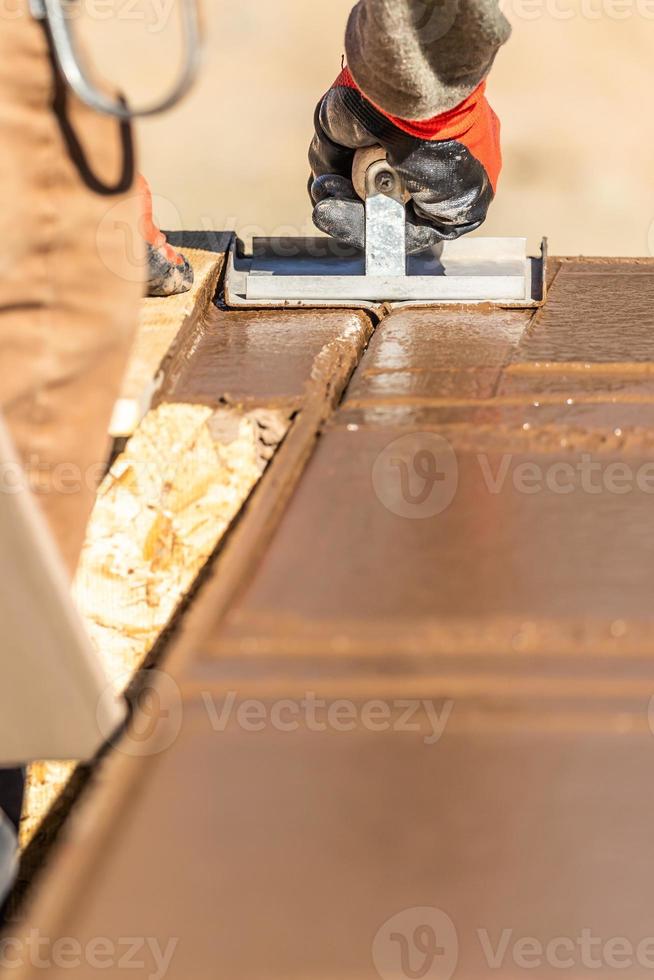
(72, 269)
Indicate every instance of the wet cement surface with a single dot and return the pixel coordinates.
(300, 850)
(491, 467)
(523, 533)
(253, 357)
(472, 536)
(596, 313)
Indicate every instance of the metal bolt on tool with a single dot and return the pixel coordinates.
(385, 182)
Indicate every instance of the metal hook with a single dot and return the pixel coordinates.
(70, 61)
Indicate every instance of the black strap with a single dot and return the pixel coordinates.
(60, 107)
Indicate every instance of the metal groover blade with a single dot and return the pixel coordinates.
(385, 222)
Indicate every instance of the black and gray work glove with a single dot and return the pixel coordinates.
(450, 165)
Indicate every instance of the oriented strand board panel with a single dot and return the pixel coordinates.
(159, 515)
(160, 512)
(162, 320)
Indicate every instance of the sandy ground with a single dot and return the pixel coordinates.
(571, 88)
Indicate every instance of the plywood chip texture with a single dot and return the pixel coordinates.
(159, 515)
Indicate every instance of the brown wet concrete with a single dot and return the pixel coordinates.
(589, 385)
(504, 544)
(540, 512)
(282, 855)
(472, 533)
(596, 312)
(507, 423)
(253, 356)
(458, 354)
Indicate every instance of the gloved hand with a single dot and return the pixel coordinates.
(450, 165)
(168, 271)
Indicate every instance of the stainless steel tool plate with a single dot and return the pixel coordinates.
(319, 272)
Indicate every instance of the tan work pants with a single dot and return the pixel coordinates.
(70, 275)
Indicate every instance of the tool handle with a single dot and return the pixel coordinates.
(363, 160)
(369, 164)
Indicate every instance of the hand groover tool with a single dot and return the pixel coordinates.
(315, 272)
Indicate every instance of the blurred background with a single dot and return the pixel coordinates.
(572, 89)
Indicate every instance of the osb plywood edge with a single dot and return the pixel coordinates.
(163, 320)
